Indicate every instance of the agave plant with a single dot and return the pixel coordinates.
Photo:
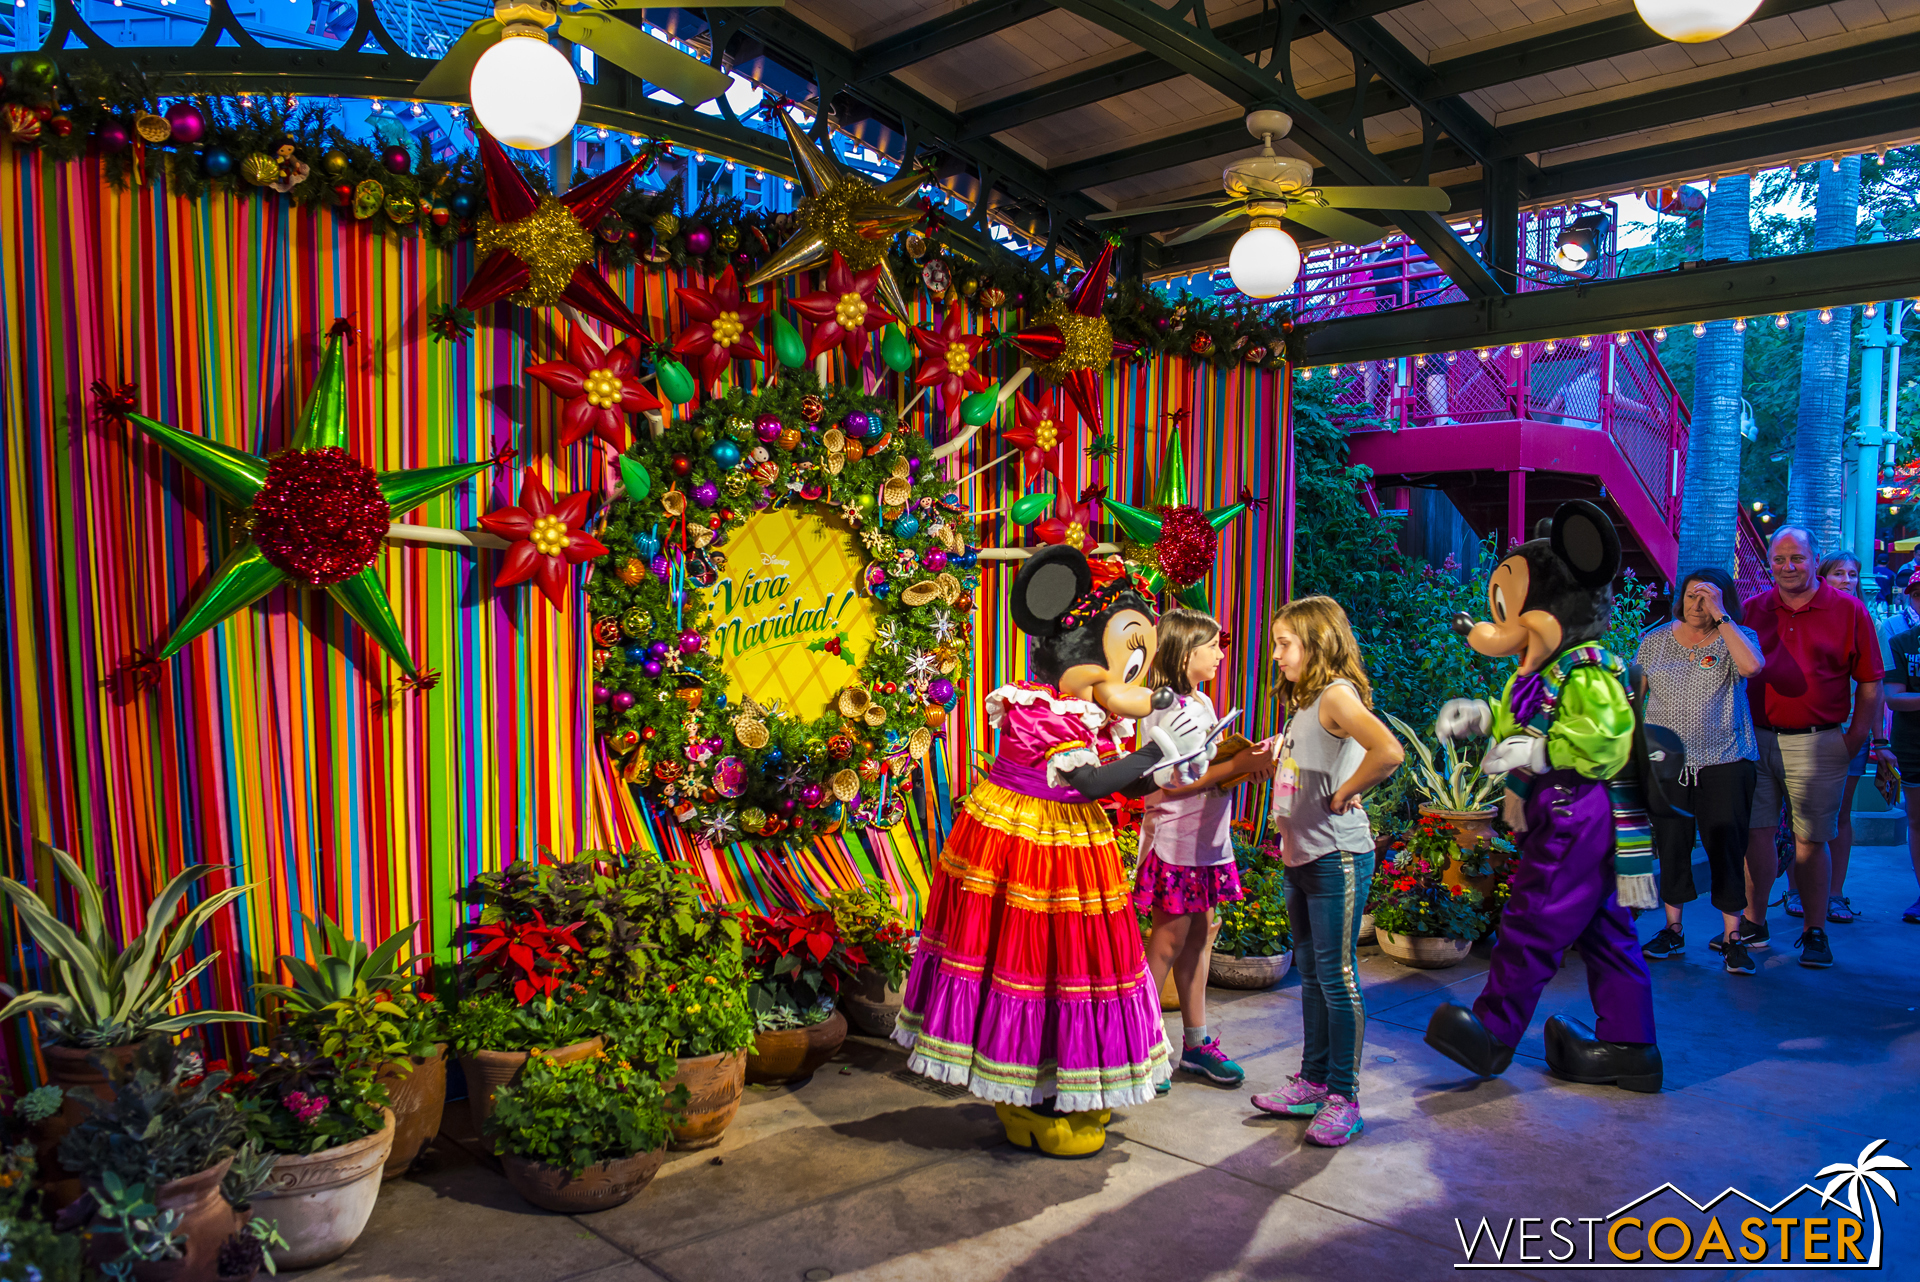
(1459, 786)
(342, 965)
(106, 996)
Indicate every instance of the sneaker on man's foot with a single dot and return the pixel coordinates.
(1668, 943)
(1739, 960)
(1298, 1097)
(1839, 911)
(1754, 937)
(1792, 902)
(1912, 915)
(1814, 951)
(1336, 1123)
(1208, 1060)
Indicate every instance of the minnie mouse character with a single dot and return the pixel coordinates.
(1563, 731)
(1030, 981)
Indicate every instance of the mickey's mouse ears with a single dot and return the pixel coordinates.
(1583, 537)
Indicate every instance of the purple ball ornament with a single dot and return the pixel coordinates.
(659, 567)
(187, 122)
(767, 428)
(858, 424)
(715, 743)
(653, 667)
(935, 559)
(699, 241)
(691, 642)
(706, 494)
(396, 159)
(812, 795)
(657, 650)
(622, 700)
(113, 137)
(941, 691)
(601, 694)
(786, 806)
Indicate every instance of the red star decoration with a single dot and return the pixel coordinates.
(1044, 434)
(949, 353)
(599, 387)
(547, 539)
(721, 328)
(1067, 525)
(1047, 342)
(845, 313)
(511, 200)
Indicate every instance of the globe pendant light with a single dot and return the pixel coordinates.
(1695, 21)
(524, 91)
(1265, 262)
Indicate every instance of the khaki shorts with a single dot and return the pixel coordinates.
(1811, 771)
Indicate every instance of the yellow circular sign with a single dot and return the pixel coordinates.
(791, 588)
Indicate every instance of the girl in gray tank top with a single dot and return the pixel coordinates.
(1322, 762)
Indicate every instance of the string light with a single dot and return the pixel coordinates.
(376, 106)
(1452, 357)
(1483, 353)
(603, 133)
(1621, 340)
(1516, 349)
(1780, 321)
(1306, 376)
(1551, 344)
(1826, 315)
(1740, 325)
(1586, 342)
(1660, 335)
(1699, 329)
(1873, 310)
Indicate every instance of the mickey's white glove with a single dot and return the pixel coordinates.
(1463, 719)
(1519, 752)
(1180, 734)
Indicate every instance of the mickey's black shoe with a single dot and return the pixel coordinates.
(1573, 1052)
(1457, 1033)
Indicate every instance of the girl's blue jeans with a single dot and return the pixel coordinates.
(1324, 902)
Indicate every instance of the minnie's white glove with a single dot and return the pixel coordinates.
(1518, 752)
(1463, 719)
(1179, 735)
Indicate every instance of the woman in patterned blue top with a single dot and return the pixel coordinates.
(1697, 668)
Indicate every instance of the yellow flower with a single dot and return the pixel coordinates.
(694, 1009)
(712, 980)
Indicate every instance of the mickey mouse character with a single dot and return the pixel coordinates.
(1563, 729)
(1030, 981)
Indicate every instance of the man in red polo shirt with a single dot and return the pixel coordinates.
(1816, 642)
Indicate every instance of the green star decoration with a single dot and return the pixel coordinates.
(249, 573)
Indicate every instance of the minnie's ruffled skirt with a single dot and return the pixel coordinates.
(1030, 981)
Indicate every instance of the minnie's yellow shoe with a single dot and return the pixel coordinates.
(1071, 1135)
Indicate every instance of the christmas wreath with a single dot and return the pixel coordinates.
(729, 768)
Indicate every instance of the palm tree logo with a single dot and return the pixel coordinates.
(1862, 1174)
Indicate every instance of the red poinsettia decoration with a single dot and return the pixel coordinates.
(1068, 524)
(721, 327)
(845, 313)
(1046, 437)
(599, 387)
(531, 954)
(548, 540)
(948, 353)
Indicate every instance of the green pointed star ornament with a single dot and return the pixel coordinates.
(315, 515)
(1177, 542)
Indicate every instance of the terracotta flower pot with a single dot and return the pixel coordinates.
(488, 1071)
(1424, 952)
(598, 1188)
(1470, 828)
(1367, 935)
(792, 1054)
(714, 1085)
(1224, 970)
(207, 1220)
(873, 1007)
(321, 1201)
(69, 1066)
(1169, 995)
(419, 1096)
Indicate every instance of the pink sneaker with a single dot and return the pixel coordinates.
(1337, 1122)
(1300, 1098)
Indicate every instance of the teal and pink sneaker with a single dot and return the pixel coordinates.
(1208, 1060)
(1299, 1097)
(1337, 1122)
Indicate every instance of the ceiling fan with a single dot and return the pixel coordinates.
(525, 92)
(1267, 188)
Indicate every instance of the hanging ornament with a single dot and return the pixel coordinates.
(1045, 435)
(152, 129)
(369, 198)
(787, 343)
(538, 249)
(843, 215)
(185, 123)
(217, 162)
(935, 276)
(1190, 536)
(317, 516)
(258, 168)
(896, 349)
(845, 312)
(402, 209)
(720, 327)
(1073, 343)
(599, 387)
(993, 298)
(947, 356)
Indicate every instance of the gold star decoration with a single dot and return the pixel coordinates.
(844, 213)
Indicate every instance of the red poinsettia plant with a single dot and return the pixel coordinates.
(795, 962)
(531, 956)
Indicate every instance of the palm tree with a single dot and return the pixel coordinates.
(1817, 486)
(1712, 494)
(1856, 1176)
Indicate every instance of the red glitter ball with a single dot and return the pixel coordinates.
(1187, 546)
(320, 515)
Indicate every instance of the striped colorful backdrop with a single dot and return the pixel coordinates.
(279, 746)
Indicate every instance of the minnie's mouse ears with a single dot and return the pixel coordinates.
(1048, 584)
(1583, 537)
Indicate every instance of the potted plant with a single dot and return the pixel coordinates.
(581, 1136)
(1419, 918)
(152, 1158)
(330, 1127)
(247, 1251)
(1255, 947)
(106, 998)
(1453, 786)
(795, 965)
(700, 1011)
(362, 1006)
(34, 1247)
(869, 921)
